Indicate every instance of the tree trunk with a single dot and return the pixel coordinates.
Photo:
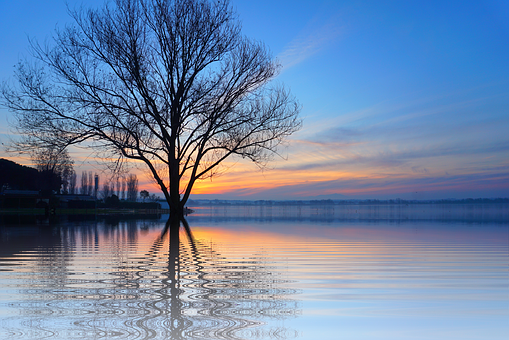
(176, 210)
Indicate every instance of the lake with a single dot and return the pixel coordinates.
(260, 272)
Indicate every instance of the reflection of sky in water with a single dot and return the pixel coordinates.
(374, 272)
(244, 277)
(99, 281)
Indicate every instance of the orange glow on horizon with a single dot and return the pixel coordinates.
(298, 177)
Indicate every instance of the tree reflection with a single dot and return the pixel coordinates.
(211, 297)
(180, 288)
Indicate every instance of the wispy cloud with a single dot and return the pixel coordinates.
(454, 107)
(494, 184)
(458, 133)
(414, 158)
(318, 34)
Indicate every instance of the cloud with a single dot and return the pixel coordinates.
(436, 187)
(419, 170)
(417, 148)
(417, 113)
(314, 38)
(372, 156)
(337, 135)
(461, 132)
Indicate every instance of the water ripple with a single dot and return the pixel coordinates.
(124, 282)
(162, 287)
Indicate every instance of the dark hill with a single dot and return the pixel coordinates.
(19, 177)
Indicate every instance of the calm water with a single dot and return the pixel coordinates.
(355, 272)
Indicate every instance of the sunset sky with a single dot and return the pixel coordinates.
(404, 99)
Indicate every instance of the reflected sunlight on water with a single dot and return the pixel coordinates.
(231, 276)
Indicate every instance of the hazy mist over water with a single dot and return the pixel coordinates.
(354, 272)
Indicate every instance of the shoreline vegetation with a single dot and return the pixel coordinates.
(216, 202)
(87, 211)
(397, 201)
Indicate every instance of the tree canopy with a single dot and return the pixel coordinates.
(56, 164)
(170, 83)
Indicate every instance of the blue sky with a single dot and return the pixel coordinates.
(402, 99)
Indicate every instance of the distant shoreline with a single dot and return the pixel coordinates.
(276, 203)
(397, 201)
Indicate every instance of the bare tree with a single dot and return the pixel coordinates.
(123, 180)
(118, 186)
(56, 163)
(90, 190)
(171, 83)
(132, 187)
(72, 183)
(106, 191)
(112, 187)
(67, 176)
(84, 183)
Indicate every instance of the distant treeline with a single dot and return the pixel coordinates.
(396, 201)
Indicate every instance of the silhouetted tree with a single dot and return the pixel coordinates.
(106, 192)
(84, 183)
(132, 187)
(72, 182)
(55, 165)
(66, 179)
(112, 188)
(170, 83)
(112, 201)
(123, 180)
(118, 187)
(144, 194)
(90, 190)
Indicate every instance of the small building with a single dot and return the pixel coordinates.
(76, 201)
(22, 199)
